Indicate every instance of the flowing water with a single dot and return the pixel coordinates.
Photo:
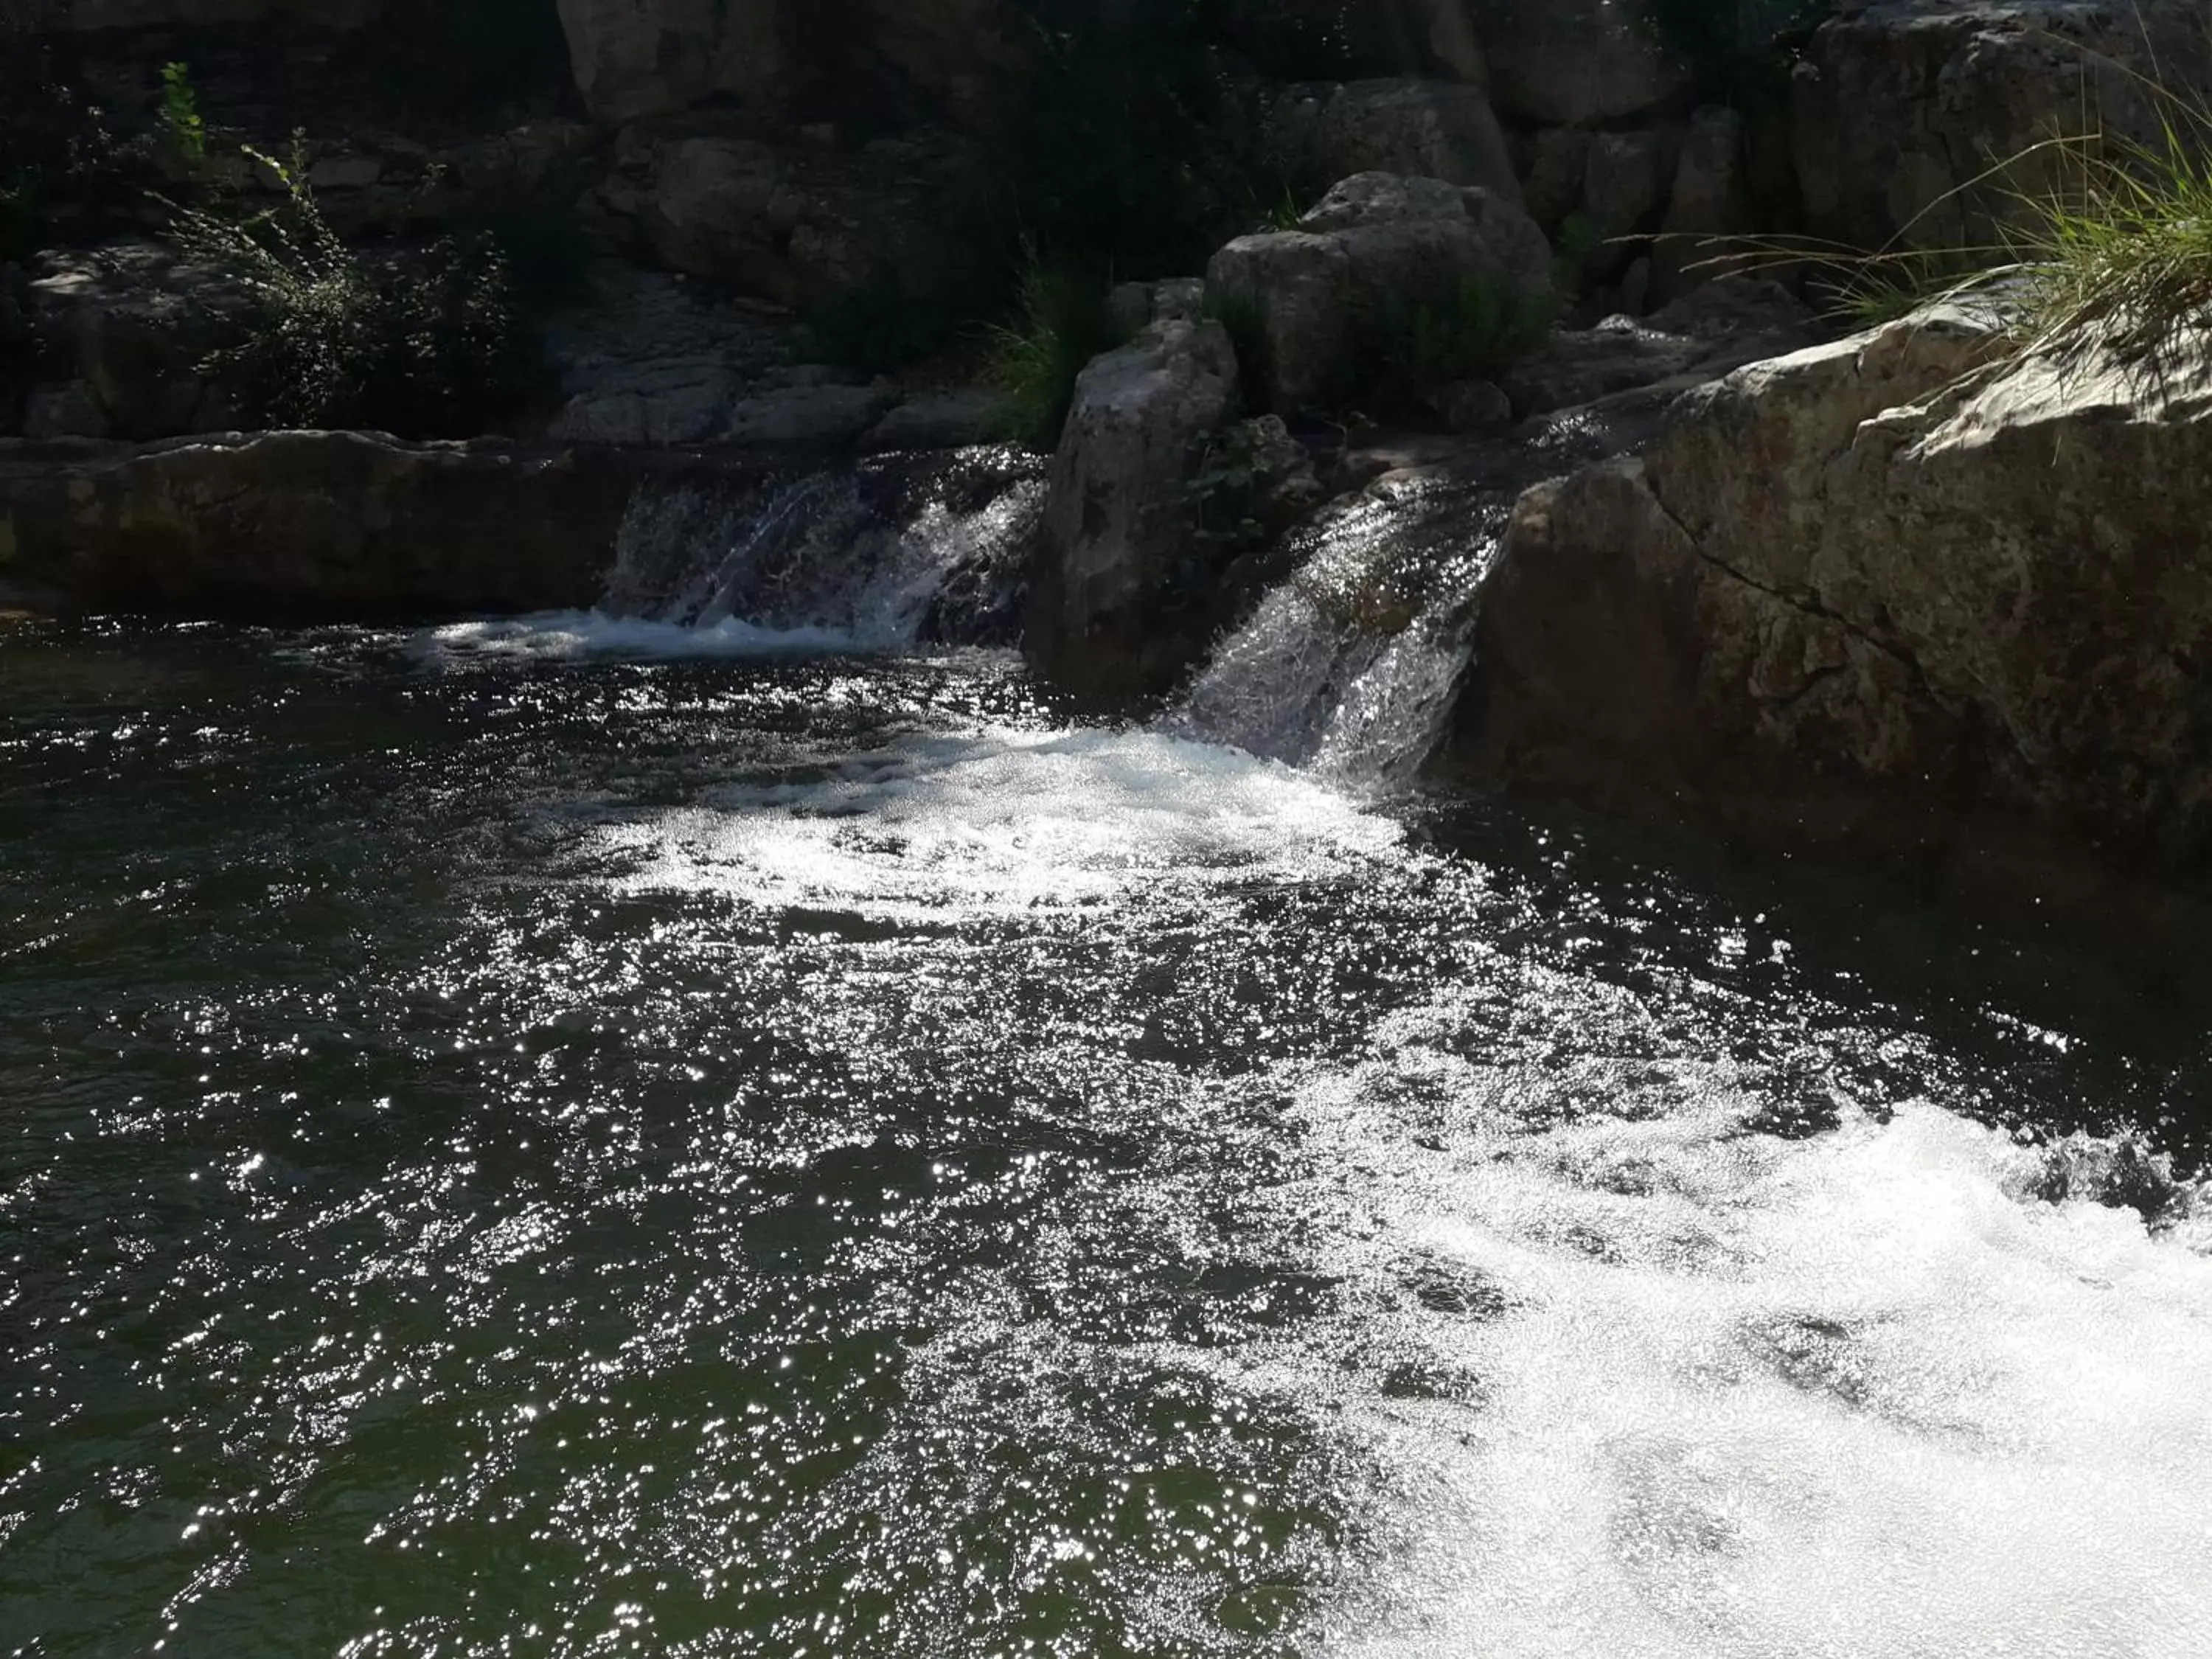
(650, 1136)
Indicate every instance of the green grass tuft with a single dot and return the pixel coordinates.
(1472, 331)
(1243, 318)
(1063, 317)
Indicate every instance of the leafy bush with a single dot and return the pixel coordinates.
(1063, 318)
(1471, 330)
(181, 122)
(424, 348)
(59, 151)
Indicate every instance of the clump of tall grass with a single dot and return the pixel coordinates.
(1063, 317)
(1472, 330)
(2122, 252)
(426, 347)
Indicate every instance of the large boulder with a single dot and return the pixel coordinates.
(334, 16)
(904, 59)
(121, 333)
(309, 524)
(1120, 521)
(1900, 595)
(1578, 63)
(1905, 113)
(809, 230)
(635, 58)
(1375, 237)
(1428, 128)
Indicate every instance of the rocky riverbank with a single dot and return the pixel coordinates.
(1427, 292)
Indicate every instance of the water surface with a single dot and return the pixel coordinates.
(531, 1141)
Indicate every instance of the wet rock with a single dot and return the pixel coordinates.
(1373, 236)
(683, 401)
(1118, 524)
(1479, 407)
(2119, 1173)
(1579, 366)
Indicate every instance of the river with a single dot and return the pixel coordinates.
(577, 1137)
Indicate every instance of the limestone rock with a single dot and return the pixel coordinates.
(806, 230)
(1883, 593)
(1900, 108)
(936, 419)
(1118, 520)
(637, 58)
(808, 416)
(1578, 63)
(309, 524)
(1374, 234)
(335, 16)
(1710, 201)
(132, 327)
(1426, 128)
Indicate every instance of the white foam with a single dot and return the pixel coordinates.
(1005, 819)
(1846, 1398)
(567, 634)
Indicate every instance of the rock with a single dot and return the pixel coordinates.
(1902, 111)
(1578, 63)
(1425, 129)
(637, 58)
(1884, 596)
(1622, 182)
(1580, 366)
(134, 326)
(64, 411)
(1130, 306)
(1479, 407)
(1559, 161)
(936, 419)
(808, 231)
(334, 16)
(685, 401)
(1375, 234)
(1118, 522)
(808, 416)
(2121, 1174)
(308, 524)
(906, 59)
(1710, 201)
(345, 172)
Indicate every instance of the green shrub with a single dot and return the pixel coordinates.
(426, 347)
(1471, 330)
(181, 123)
(1063, 318)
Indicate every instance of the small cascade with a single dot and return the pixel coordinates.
(882, 556)
(1349, 667)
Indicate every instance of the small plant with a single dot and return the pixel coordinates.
(181, 122)
(1243, 318)
(422, 347)
(1471, 330)
(1063, 318)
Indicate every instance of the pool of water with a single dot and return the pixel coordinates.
(514, 1148)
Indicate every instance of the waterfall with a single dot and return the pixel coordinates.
(1349, 667)
(882, 556)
